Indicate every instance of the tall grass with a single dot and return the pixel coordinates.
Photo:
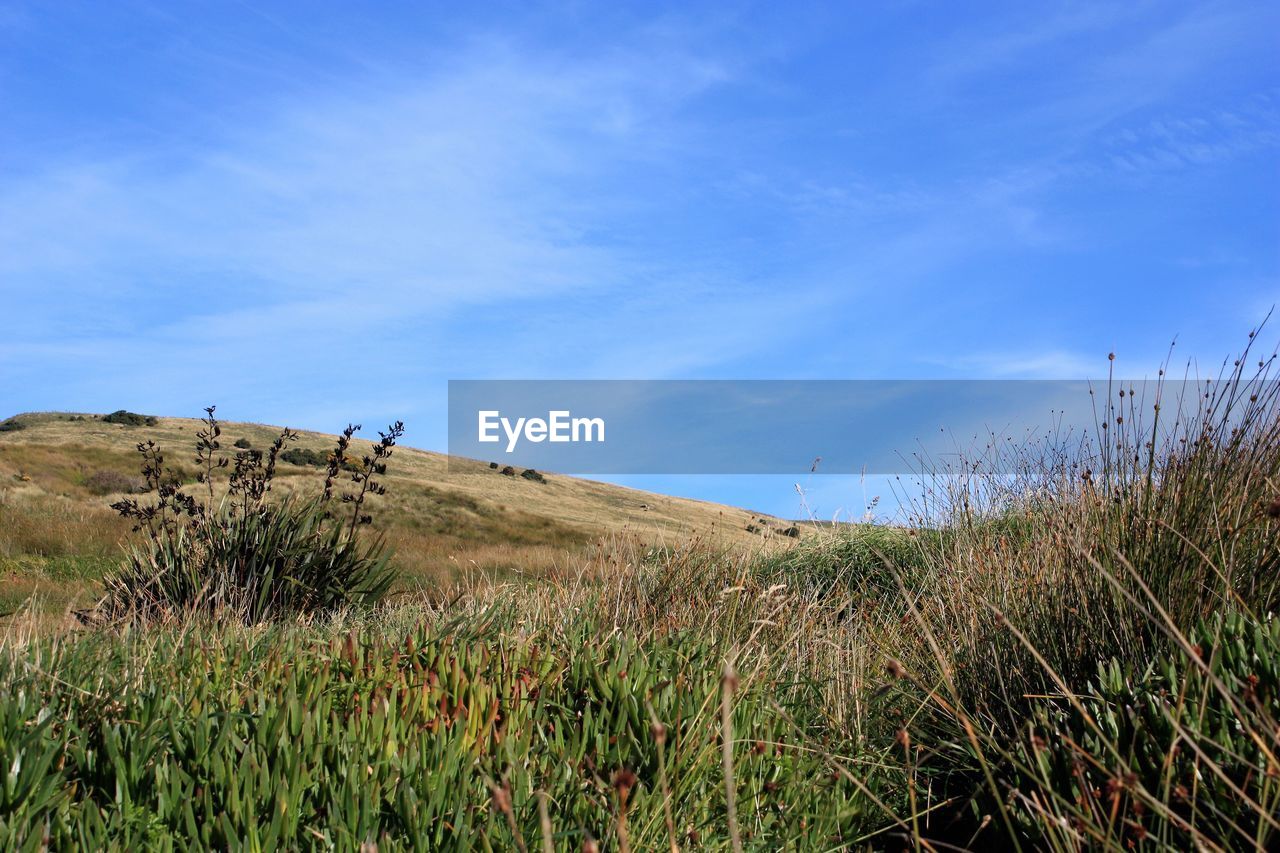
(444, 726)
(1096, 655)
(46, 527)
(1071, 646)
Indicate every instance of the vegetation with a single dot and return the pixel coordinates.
(113, 482)
(120, 416)
(240, 555)
(305, 456)
(446, 517)
(1070, 646)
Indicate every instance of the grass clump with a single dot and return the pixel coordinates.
(241, 555)
(869, 559)
(1094, 652)
(284, 559)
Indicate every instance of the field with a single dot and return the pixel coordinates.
(1065, 648)
(60, 471)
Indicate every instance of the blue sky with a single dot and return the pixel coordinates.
(311, 213)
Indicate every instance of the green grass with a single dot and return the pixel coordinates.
(396, 726)
(396, 729)
(67, 567)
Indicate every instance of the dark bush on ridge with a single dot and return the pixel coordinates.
(309, 458)
(120, 416)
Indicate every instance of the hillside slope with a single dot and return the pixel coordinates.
(59, 472)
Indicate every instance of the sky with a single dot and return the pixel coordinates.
(313, 213)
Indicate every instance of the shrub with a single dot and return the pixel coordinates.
(282, 559)
(532, 475)
(244, 557)
(305, 456)
(12, 425)
(120, 416)
(113, 482)
(243, 443)
(309, 458)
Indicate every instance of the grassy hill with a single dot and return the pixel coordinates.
(60, 471)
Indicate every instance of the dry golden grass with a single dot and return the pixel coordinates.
(443, 519)
(37, 524)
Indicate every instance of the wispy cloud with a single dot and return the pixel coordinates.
(478, 186)
(440, 191)
(1181, 141)
(661, 203)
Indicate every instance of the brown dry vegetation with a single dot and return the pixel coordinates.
(57, 534)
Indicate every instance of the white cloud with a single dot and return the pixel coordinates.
(465, 189)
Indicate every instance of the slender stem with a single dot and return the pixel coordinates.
(726, 739)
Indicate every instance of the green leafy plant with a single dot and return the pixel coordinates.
(421, 729)
(1181, 752)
